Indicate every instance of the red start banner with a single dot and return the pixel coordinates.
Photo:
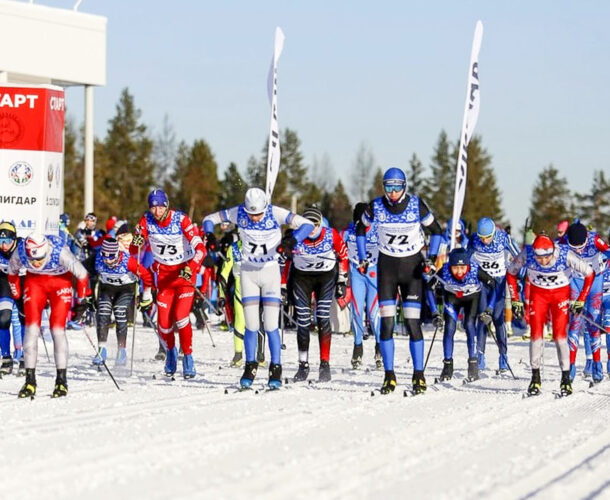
(32, 119)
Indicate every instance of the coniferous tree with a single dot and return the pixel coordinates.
(551, 201)
(124, 164)
(197, 177)
(256, 172)
(164, 152)
(292, 163)
(415, 175)
(376, 189)
(594, 207)
(482, 198)
(232, 188)
(362, 170)
(74, 181)
(438, 189)
(337, 207)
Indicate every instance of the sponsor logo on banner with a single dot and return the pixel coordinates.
(21, 173)
(50, 172)
(26, 224)
(11, 129)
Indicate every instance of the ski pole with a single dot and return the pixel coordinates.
(205, 316)
(205, 299)
(430, 349)
(103, 361)
(135, 315)
(45, 346)
(493, 335)
(282, 325)
(597, 325)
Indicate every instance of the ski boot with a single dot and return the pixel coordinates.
(275, 376)
(598, 372)
(61, 385)
(121, 357)
(534, 387)
(6, 367)
(588, 371)
(503, 364)
(302, 373)
(378, 359)
(237, 360)
(566, 383)
(572, 372)
(249, 373)
(419, 382)
(447, 372)
(473, 369)
(389, 382)
(29, 388)
(357, 357)
(481, 361)
(100, 357)
(188, 366)
(160, 356)
(324, 375)
(171, 362)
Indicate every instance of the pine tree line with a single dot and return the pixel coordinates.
(129, 162)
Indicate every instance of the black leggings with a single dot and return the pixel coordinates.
(404, 274)
(117, 299)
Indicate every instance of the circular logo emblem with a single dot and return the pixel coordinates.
(11, 129)
(21, 173)
(50, 174)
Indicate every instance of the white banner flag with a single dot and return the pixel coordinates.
(273, 149)
(471, 114)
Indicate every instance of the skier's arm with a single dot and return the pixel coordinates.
(191, 232)
(430, 225)
(361, 225)
(341, 250)
(490, 283)
(513, 271)
(140, 235)
(602, 246)
(14, 281)
(579, 265)
(300, 225)
(139, 270)
(226, 215)
(72, 264)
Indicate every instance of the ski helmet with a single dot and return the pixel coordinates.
(486, 227)
(110, 251)
(458, 257)
(543, 246)
(64, 219)
(314, 215)
(36, 246)
(91, 217)
(577, 235)
(7, 231)
(394, 177)
(255, 201)
(157, 198)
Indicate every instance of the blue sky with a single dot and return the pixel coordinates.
(388, 74)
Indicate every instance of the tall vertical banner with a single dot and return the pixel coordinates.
(273, 148)
(471, 114)
(31, 156)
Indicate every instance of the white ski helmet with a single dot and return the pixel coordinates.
(255, 201)
(36, 246)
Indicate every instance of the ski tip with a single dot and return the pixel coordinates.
(436, 380)
(220, 367)
(405, 394)
(372, 393)
(256, 391)
(154, 377)
(465, 381)
(310, 382)
(226, 391)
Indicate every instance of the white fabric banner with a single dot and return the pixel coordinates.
(273, 148)
(471, 114)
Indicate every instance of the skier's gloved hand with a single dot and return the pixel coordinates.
(485, 317)
(186, 273)
(342, 284)
(210, 241)
(222, 303)
(208, 261)
(577, 306)
(85, 302)
(437, 320)
(146, 300)
(287, 245)
(429, 269)
(518, 309)
(363, 266)
(137, 240)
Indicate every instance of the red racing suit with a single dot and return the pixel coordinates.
(175, 244)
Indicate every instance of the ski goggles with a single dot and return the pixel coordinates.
(6, 241)
(393, 188)
(92, 218)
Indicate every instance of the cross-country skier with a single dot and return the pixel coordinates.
(591, 248)
(50, 266)
(490, 247)
(8, 244)
(400, 218)
(549, 267)
(364, 300)
(461, 279)
(314, 268)
(118, 274)
(606, 309)
(178, 253)
(258, 223)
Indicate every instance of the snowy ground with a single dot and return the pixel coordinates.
(161, 439)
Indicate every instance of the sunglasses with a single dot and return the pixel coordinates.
(393, 188)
